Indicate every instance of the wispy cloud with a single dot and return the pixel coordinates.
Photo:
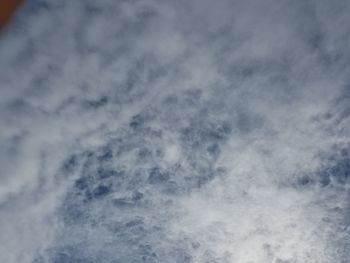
(175, 131)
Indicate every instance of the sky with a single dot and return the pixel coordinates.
(189, 131)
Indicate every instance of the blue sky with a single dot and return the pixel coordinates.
(175, 131)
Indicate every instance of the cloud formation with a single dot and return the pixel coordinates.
(175, 131)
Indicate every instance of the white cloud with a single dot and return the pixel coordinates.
(201, 131)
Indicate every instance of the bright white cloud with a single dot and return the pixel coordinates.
(175, 131)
